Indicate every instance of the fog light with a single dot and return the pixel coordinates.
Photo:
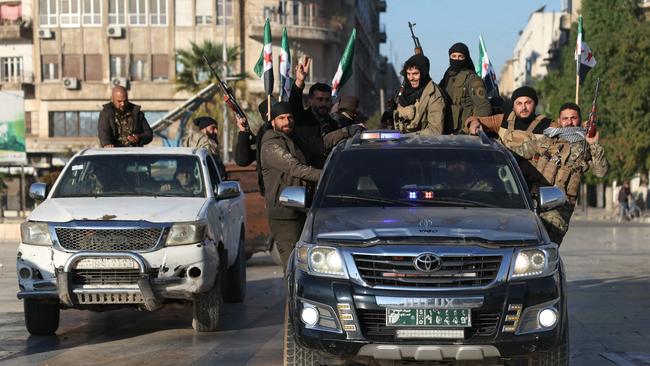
(547, 317)
(309, 316)
(25, 273)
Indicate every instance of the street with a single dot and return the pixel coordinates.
(608, 267)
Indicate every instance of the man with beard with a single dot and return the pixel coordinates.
(320, 101)
(122, 123)
(207, 138)
(346, 115)
(464, 88)
(562, 157)
(284, 164)
(420, 105)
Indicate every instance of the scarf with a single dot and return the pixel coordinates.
(569, 134)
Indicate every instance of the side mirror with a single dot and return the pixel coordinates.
(550, 198)
(38, 191)
(293, 197)
(228, 189)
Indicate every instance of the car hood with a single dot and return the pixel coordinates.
(481, 224)
(152, 209)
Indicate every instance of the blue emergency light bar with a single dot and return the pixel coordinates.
(380, 135)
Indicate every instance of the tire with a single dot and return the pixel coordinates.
(207, 308)
(235, 286)
(41, 318)
(558, 356)
(295, 354)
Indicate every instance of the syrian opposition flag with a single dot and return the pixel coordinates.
(485, 70)
(585, 60)
(264, 66)
(285, 68)
(344, 70)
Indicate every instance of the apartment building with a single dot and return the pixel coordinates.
(83, 47)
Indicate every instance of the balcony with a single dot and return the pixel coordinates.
(12, 26)
(298, 27)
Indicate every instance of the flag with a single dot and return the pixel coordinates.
(585, 60)
(285, 68)
(485, 70)
(344, 70)
(264, 66)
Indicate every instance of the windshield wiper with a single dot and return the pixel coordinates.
(456, 202)
(369, 199)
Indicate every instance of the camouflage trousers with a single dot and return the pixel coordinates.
(556, 221)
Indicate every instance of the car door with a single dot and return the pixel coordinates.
(227, 218)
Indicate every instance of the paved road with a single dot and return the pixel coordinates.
(609, 293)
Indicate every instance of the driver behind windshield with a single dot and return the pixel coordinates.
(460, 175)
(184, 181)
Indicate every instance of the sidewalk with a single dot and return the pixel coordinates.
(594, 214)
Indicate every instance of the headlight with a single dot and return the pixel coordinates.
(320, 260)
(536, 262)
(186, 233)
(35, 233)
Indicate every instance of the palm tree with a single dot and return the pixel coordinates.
(194, 74)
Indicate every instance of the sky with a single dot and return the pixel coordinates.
(441, 23)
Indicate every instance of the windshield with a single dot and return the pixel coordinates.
(421, 177)
(132, 175)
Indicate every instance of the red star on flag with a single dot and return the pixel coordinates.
(335, 86)
(589, 56)
(267, 57)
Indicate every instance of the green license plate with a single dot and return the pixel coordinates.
(456, 318)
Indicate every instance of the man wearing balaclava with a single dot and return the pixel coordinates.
(465, 89)
(284, 164)
(420, 104)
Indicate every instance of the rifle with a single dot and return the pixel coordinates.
(228, 96)
(591, 120)
(416, 40)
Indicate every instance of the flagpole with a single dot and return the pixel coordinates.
(268, 107)
(577, 88)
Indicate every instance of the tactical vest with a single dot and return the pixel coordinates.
(562, 165)
(514, 138)
(460, 99)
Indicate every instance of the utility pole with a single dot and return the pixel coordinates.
(224, 57)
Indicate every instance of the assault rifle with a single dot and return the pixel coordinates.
(228, 96)
(416, 40)
(591, 120)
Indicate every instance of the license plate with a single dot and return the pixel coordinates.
(455, 318)
(101, 263)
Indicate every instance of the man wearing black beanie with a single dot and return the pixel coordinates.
(207, 137)
(465, 89)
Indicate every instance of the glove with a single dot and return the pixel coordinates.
(354, 129)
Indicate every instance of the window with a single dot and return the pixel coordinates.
(160, 69)
(117, 12)
(73, 124)
(47, 12)
(69, 13)
(132, 175)
(72, 66)
(50, 65)
(137, 12)
(139, 67)
(93, 68)
(158, 12)
(11, 69)
(228, 12)
(118, 64)
(203, 12)
(183, 10)
(28, 123)
(92, 12)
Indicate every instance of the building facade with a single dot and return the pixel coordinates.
(83, 47)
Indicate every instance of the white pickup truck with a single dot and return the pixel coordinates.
(133, 227)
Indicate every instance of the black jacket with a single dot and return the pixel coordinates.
(306, 116)
(107, 129)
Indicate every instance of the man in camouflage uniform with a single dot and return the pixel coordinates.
(562, 157)
(206, 137)
(122, 123)
(465, 90)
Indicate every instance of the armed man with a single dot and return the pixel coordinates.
(465, 89)
(420, 105)
(122, 123)
(563, 156)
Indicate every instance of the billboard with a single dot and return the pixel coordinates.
(12, 127)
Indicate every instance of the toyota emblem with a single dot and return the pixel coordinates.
(427, 262)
